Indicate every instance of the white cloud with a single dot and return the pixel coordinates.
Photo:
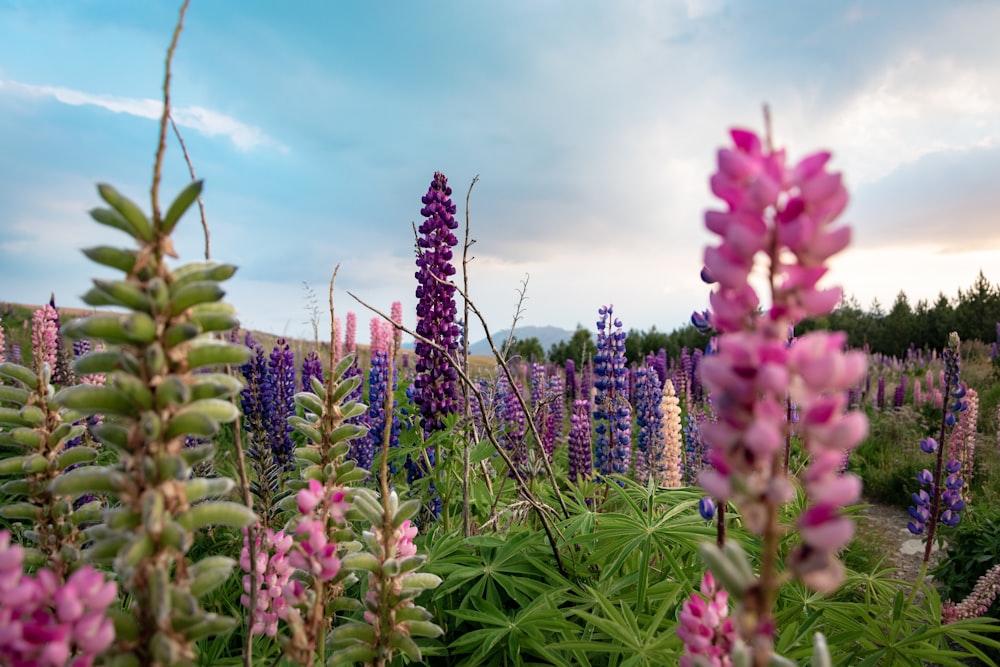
(210, 123)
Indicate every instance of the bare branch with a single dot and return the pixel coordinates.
(162, 146)
(201, 202)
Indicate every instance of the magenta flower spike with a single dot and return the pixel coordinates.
(784, 214)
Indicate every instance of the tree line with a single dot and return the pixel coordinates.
(973, 313)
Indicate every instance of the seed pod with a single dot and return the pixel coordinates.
(140, 548)
(128, 210)
(217, 513)
(215, 321)
(405, 645)
(112, 218)
(113, 435)
(89, 479)
(115, 258)
(179, 206)
(74, 456)
(124, 293)
(130, 385)
(192, 294)
(32, 415)
(25, 376)
(309, 401)
(210, 573)
(423, 629)
(26, 436)
(211, 624)
(198, 453)
(91, 399)
(153, 512)
(156, 359)
(106, 361)
(215, 385)
(19, 512)
(180, 333)
(191, 422)
(65, 432)
(218, 354)
(421, 581)
(360, 560)
(15, 488)
(201, 488)
(15, 395)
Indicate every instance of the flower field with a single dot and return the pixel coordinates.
(175, 490)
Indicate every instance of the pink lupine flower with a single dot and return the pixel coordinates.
(978, 601)
(43, 335)
(405, 534)
(786, 213)
(703, 626)
(46, 623)
(309, 497)
(397, 316)
(276, 591)
(350, 333)
(315, 553)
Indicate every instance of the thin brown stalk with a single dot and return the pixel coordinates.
(162, 146)
(518, 479)
(201, 202)
(466, 461)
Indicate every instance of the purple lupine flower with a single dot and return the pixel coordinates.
(706, 508)
(899, 395)
(658, 364)
(436, 394)
(255, 398)
(587, 379)
(378, 387)
(649, 420)
(571, 387)
(14, 355)
(282, 369)
(880, 397)
(580, 466)
(3, 348)
(612, 413)
(312, 367)
(512, 420)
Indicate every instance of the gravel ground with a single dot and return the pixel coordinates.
(905, 551)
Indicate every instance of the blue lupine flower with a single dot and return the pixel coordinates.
(706, 508)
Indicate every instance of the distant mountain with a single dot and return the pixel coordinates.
(547, 336)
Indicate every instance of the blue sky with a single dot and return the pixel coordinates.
(593, 126)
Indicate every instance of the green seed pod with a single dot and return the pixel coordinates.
(35, 463)
(411, 563)
(15, 488)
(62, 508)
(405, 645)
(352, 655)
(344, 388)
(215, 321)
(89, 479)
(197, 454)
(194, 272)
(82, 516)
(156, 359)
(124, 293)
(179, 206)
(20, 512)
(308, 454)
(361, 560)
(15, 395)
(138, 549)
(192, 294)
(309, 431)
(12, 416)
(128, 210)
(218, 354)
(191, 422)
(318, 388)
(25, 376)
(211, 624)
(407, 510)
(166, 651)
(124, 659)
(352, 409)
(28, 437)
(210, 573)
(74, 456)
(423, 629)
(215, 385)
(158, 294)
(65, 432)
(32, 415)
(102, 327)
(183, 603)
(98, 298)
(139, 328)
(91, 399)
(106, 361)
(112, 435)
(175, 537)
(33, 558)
(413, 614)
(154, 512)
(217, 513)
(421, 581)
(126, 625)
(133, 387)
(310, 402)
(218, 409)
(115, 258)
(351, 632)
(732, 550)
(151, 425)
(171, 392)
(112, 218)
(201, 488)
(106, 550)
(181, 333)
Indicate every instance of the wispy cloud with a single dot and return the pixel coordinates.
(208, 122)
